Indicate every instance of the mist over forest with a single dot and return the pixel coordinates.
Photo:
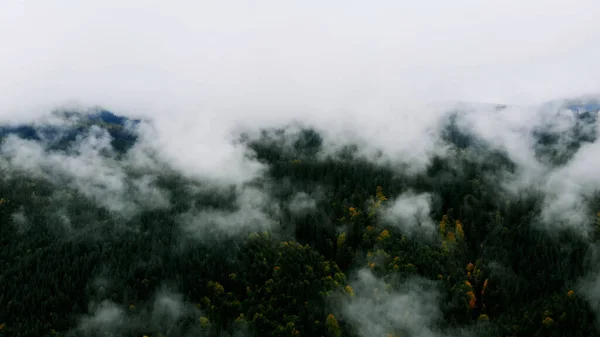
(484, 226)
(270, 168)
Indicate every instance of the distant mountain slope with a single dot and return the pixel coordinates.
(563, 126)
(60, 136)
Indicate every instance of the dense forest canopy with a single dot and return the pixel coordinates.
(485, 226)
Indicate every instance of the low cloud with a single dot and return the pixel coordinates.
(254, 210)
(570, 188)
(200, 149)
(589, 285)
(404, 137)
(20, 221)
(107, 319)
(510, 131)
(202, 71)
(302, 203)
(410, 212)
(90, 167)
(554, 150)
(378, 309)
(168, 314)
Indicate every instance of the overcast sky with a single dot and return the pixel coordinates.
(157, 56)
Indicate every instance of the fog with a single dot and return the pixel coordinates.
(377, 75)
(364, 72)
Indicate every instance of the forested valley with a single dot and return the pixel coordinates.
(99, 237)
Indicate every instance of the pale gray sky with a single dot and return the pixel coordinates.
(152, 56)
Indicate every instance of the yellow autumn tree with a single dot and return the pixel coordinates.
(353, 212)
(448, 241)
(485, 285)
(384, 235)
(472, 299)
(333, 326)
(380, 196)
(349, 290)
(204, 322)
(341, 239)
(216, 288)
(548, 321)
(450, 237)
(459, 230)
(443, 225)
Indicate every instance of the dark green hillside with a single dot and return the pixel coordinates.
(71, 267)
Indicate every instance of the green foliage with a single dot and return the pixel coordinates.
(496, 272)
